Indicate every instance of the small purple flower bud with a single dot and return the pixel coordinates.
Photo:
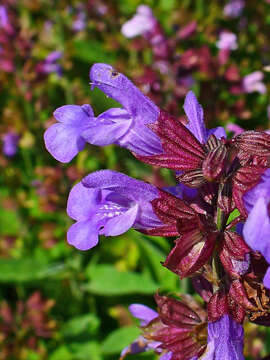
(10, 144)
(253, 82)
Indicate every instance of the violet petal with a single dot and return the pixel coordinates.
(194, 112)
(83, 235)
(121, 223)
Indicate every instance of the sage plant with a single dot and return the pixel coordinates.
(218, 213)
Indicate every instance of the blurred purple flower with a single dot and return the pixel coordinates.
(234, 8)
(227, 41)
(109, 203)
(10, 144)
(144, 23)
(234, 128)
(80, 22)
(4, 20)
(126, 127)
(187, 30)
(141, 23)
(225, 340)
(49, 65)
(187, 81)
(253, 82)
(256, 229)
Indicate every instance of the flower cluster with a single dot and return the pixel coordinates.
(219, 213)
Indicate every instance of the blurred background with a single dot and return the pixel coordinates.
(57, 302)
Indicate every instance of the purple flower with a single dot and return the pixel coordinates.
(225, 340)
(253, 82)
(109, 203)
(195, 124)
(142, 22)
(256, 229)
(227, 41)
(49, 65)
(10, 144)
(234, 8)
(63, 140)
(129, 125)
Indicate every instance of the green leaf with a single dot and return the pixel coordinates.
(85, 324)
(107, 280)
(22, 270)
(234, 214)
(119, 339)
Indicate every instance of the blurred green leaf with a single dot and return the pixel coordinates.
(153, 257)
(61, 353)
(167, 5)
(119, 339)
(107, 280)
(85, 351)
(22, 270)
(9, 222)
(31, 355)
(92, 52)
(77, 351)
(85, 324)
(149, 355)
